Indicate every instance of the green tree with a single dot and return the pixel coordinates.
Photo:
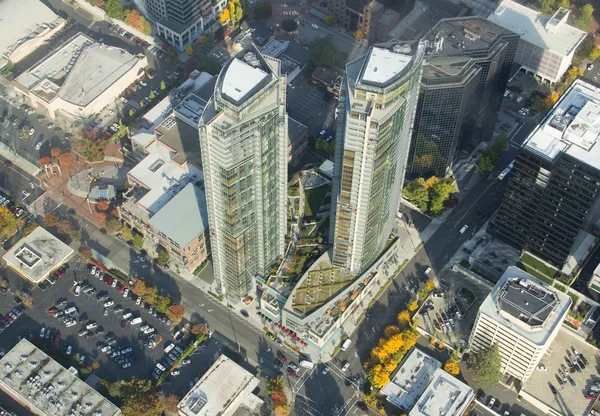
(324, 52)
(162, 303)
(138, 240)
(456, 355)
(8, 221)
(417, 193)
(114, 389)
(485, 365)
(122, 129)
(546, 6)
(289, 25)
(75, 235)
(439, 193)
(595, 53)
(330, 19)
(131, 112)
(142, 104)
(209, 64)
(114, 9)
(564, 4)
(163, 85)
(263, 10)
(151, 294)
(321, 145)
(163, 257)
(126, 233)
(142, 405)
(484, 165)
(112, 225)
(585, 17)
(152, 95)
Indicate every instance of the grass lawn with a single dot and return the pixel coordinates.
(313, 199)
(533, 264)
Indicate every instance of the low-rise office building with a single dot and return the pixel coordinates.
(419, 387)
(547, 44)
(79, 78)
(523, 316)
(26, 25)
(44, 387)
(37, 255)
(226, 389)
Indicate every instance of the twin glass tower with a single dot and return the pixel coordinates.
(244, 144)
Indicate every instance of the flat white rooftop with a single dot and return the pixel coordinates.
(21, 21)
(32, 377)
(572, 126)
(37, 254)
(383, 65)
(222, 390)
(504, 303)
(241, 78)
(445, 395)
(162, 177)
(411, 379)
(536, 28)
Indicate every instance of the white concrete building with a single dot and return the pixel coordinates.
(80, 78)
(225, 390)
(420, 387)
(523, 315)
(547, 44)
(44, 387)
(594, 283)
(24, 26)
(37, 255)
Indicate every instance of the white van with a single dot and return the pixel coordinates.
(307, 364)
(71, 310)
(136, 321)
(346, 344)
(169, 347)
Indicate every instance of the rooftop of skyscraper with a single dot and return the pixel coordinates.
(572, 126)
(526, 305)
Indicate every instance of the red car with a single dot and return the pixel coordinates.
(122, 288)
(58, 274)
(291, 372)
(281, 357)
(107, 133)
(9, 319)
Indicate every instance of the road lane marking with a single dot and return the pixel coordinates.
(474, 202)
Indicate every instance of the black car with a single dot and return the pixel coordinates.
(553, 389)
(362, 405)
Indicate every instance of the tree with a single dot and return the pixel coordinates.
(549, 102)
(199, 329)
(30, 228)
(189, 50)
(122, 128)
(330, 19)
(585, 17)
(85, 252)
(433, 339)
(139, 287)
(75, 235)
(162, 303)
(142, 104)
(142, 405)
(390, 331)
(64, 227)
(359, 34)
(55, 152)
(90, 145)
(126, 233)
(224, 17)
(404, 317)
(133, 19)
(163, 257)
(50, 220)
(163, 85)
(65, 159)
(95, 365)
(146, 26)
(451, 367)
(102, 205)
(114, 9)
(484, 165)
(485, 365)
(112, 225)
(263, 10)
(430, 285)
(417, 193)
(175, 312)
(171, 403)
(8, 221)
(289, 25)
(412, 306)
(44, 161)
(151, 295)
(131, 112)
(378, 376)
(439, 193)
(138, 240)
(564, 4)
(546, 6)
(456, 355)
(152, 96)
(324, 52)
(101, 217)
(595, 53)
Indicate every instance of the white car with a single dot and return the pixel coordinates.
(149, 330)
(126, 293)
(69, 350)
(38, 145)
(346, 366)
(427, 270)
(137, 301)
(91, 325)
(144, 84)
(463, 229)
(541, 367)
(325, 370)
(491, 402)
(126, 365)
(315, 26)
(93, 270)
(77, 290)
(108, 303)
(31, 131)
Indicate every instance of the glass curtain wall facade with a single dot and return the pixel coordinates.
(465, 72)
(376, 111)
(545, 205)
(244, 157)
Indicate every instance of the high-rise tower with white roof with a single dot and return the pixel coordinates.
(374, 126)
(243, 141)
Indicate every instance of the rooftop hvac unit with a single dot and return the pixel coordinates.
(404, 49)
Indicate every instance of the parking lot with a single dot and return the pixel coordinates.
(89, 311)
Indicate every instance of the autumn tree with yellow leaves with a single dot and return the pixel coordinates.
(451, 367)
(404, 318)
(412, 306)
